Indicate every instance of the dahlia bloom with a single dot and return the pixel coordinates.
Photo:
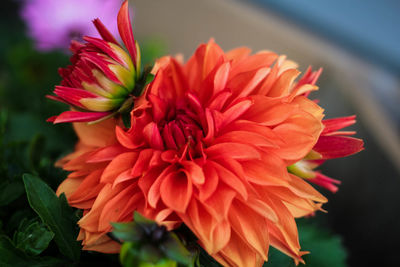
(103, 75)
(52, 24)
(209, 145)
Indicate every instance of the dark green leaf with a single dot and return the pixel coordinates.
(32, 237)
(140, 219)
(127, 231)
(150, 253)
(67, 210)
(54, 214)
(9, 255)
(13, 257)
(175, 250)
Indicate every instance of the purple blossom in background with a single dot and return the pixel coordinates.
(53, 23)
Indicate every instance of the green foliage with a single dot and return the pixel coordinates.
(55, 213)
(10, 256)
(326, 250)
(32, 237)
(148, 244)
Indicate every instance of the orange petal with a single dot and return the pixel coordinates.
(233, 150)
(237, 253)
(119, 164)
(251, 227)
(99, 135)
(176, 191)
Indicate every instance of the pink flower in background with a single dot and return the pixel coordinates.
(53, 23)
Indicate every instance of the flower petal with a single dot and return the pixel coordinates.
(77, 116)
(125, 30)
(176, 191)
(338, 146)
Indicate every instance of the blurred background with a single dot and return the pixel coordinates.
(356, 43)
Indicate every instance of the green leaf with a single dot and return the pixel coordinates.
(9, 255)
(175, 250)
(325, 249)
(13, 257)
(55, 214)
(32, 237)
(140, 219)
(129, 231)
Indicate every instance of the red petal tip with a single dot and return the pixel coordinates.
(104, 33)
(76, 116)
(125, 30)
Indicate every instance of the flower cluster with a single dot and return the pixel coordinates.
(223, 143)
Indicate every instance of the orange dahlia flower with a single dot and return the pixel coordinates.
(209, 145)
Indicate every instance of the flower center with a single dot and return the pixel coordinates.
(182, 129)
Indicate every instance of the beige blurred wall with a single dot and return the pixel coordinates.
(186, 23)
(183, 24)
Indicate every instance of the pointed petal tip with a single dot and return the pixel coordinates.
(103, 31)
(77, 116)
(51, 119)
(125, 30)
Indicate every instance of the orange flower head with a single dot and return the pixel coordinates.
(209, 146)
(102, 78)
